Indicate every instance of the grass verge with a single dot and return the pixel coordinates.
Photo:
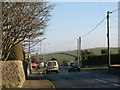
(1, 87)
(41, 69)
(95, 68)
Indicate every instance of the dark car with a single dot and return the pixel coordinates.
(74, 67)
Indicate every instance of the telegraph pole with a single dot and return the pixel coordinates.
(108, 36)
(1, 34)
(1, 31)
(30, 62)
(41, 57)
(79, 50)
(118, 28)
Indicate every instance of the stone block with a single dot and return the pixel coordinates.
(12, 74)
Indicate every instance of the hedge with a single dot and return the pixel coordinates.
(101, 60)
(16, 52)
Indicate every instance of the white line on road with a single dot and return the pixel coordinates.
(116, 85)
(53, 86)
(101, 80)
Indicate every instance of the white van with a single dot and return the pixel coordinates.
(52, 66)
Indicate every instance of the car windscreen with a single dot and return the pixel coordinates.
(74, 65)
(51, 63)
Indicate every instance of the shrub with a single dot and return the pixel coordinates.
(16, 52)
(101, 60)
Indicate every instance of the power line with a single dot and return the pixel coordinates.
(99, 23)
(94, 28)
(114, 20)
(115, 10)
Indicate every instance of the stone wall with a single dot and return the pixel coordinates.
(12, 74)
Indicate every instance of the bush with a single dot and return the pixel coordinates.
(101, 60)
(16, 52)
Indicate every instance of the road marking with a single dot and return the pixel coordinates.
(116, 85)
(53, 86)
(101, 80)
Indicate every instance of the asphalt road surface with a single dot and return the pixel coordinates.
(83, 79)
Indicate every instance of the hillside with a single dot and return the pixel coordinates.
(70, 55)
(96, 51)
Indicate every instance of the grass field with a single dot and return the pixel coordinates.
(95, 68)
(58, 56)
(96, 51)
(61, 57)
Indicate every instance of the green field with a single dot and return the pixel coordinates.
(96, 51)
(59, 57)
(67, 55)
(95, 68)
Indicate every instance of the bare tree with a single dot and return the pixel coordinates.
(22, 20)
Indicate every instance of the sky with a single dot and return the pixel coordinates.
(71, 20)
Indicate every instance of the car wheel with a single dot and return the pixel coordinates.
(47, 72)
(57, 72)
(79, 70)
(68, 70)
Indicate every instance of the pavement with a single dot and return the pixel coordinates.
(35, 81)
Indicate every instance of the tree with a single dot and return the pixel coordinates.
(103, 51)
(85, 53)
(22, 21)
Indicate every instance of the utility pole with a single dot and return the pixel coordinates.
(1, 34)
(37, 58)
(118, 28)
(40, 58)
(79, 50)
(30, 66)
(108, 36)
(1, 31)
(40, 53)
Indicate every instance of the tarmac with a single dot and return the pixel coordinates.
(35, 81)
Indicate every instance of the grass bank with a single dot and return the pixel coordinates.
(95, 68)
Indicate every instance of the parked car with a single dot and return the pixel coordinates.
(65, 63)
(34, 65)
(41, 65)
(74, 67)
(52, 66)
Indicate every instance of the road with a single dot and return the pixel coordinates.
(83, 79)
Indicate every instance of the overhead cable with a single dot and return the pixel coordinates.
(115, 10)
(94, 28)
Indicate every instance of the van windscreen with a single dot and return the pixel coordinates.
(51, 63)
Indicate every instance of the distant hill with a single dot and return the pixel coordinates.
(71, 54)
(96, 51)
